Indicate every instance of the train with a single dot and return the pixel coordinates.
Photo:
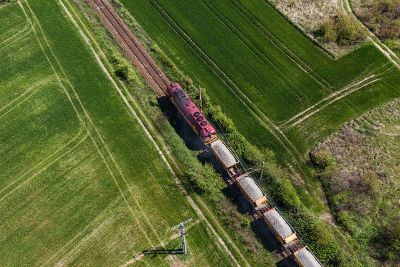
(247, 185)
(192, 113)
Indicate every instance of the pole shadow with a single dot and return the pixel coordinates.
(160, 251)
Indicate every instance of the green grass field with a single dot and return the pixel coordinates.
(80, 182)
(281, 90)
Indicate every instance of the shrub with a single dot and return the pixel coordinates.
(283, 192)
(322, 160)
(320, 239)
(121, 70)
(206, 180)
(383, 16)
(387, 241)
(341, 29)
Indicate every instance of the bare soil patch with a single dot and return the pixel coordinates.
(309, 15)
(363, 186)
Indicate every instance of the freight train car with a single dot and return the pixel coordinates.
(279, 226)
(251, 191)
(247, 185)
(305, 258)
(192, 113)
(225, 157)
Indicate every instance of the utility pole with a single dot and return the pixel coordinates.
(201, 100)
(182, 234)
(262, 171)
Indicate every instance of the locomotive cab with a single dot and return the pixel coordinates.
(192, 113)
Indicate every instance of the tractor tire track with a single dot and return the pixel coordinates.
(331, 102)
(16, 34)
(255, 51)
(386, 51)
(282, 47)
(349, 89)
(28, 93)
(44, 165)
(256, 113)
(86, 121)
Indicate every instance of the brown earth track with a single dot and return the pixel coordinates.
(134, 50)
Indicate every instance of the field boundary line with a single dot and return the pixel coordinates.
(281, 46)
(41, 170)
(256, 113)
(385, 50)
(266, 32)
(81, 119)
(30, 91)
(256, 51)
(332, 101)
(327, 88)
(345, 91)
(154, 142)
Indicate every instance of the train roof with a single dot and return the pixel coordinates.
(249, 185)
(306, 258)
(224, 154)
(279, 224)
(191, 111)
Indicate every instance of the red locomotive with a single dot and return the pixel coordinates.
(192, 113)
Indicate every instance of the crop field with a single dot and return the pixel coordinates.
(80, 181)
(281, 90)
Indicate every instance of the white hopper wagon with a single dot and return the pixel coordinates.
(225, 157)
(305, 258)
(251, 190)
(279, 226)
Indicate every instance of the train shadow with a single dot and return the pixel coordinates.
(286, 262)
(265, 236)
(206, 156)
(178, 122)
(261, 231)
(258, 226)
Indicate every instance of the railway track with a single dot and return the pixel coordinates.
(134, 50)
(153, 75)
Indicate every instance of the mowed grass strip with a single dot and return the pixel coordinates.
(251, 46)
(80, 182)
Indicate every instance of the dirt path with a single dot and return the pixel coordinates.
(389, 54)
